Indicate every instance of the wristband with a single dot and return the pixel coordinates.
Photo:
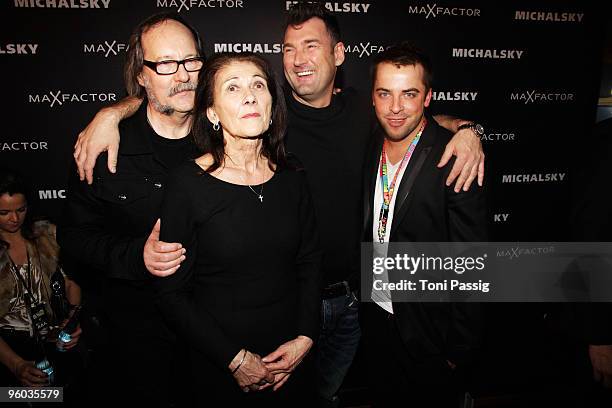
(241, 361)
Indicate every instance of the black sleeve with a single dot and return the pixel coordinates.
(174, 299)
(467, 217)
(308, 268)
(467, 214)
(83, 234)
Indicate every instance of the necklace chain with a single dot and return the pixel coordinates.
(260, 194)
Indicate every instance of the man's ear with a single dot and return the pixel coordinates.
(339, 53)
(428, 98)
(140, 79)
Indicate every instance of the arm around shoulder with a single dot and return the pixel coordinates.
(102, 134)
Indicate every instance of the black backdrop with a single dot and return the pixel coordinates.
(527, 70)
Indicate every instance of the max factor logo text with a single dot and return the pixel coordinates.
(187, 5)
(59, 98)
(363, 49)
(534, 96)
(106, 48)
(433, 11)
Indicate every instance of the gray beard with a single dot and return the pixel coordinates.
(163, 109)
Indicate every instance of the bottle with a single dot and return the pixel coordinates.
(70, 326)
(45, 366)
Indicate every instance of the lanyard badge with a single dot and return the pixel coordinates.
(40, 320)
(389, 190)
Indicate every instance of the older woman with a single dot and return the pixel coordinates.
(247, 297)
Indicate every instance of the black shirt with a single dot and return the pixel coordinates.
(251, 276)
(331, 144)
(172, 152)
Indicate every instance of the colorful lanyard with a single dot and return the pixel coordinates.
(389, 190)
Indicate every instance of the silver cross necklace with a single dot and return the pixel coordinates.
(260, 194)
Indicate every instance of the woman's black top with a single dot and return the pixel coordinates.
(251, 278)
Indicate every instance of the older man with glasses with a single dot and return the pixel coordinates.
(106, 224)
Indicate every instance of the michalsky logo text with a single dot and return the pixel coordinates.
(276, 48)
(23, 146)
(58, 98)
(51, 194)
(78, 4)
(187, 5)
(501, 217)
(23, 49)
(106, 48)
(487, 53)
(548, 16)
(454, 96)
(536, 96)
(533, 178)
(339, 7)
(363, 49)
(433, 11)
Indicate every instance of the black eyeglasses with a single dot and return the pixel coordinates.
(170, 67)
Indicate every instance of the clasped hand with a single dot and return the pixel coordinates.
(256, 374)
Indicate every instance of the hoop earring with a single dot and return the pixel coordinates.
(216, 127)
(270, 121)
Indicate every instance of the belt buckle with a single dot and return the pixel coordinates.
(347, 288)
(335, 289)
(345, 285)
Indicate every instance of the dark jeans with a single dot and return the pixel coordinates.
(337, 345)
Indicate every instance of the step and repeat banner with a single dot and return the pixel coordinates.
(528, 70)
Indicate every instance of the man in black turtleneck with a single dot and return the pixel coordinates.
(328, 133)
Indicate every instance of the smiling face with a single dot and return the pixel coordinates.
(242, 103)
(13, 210)
(169, 40)
(310, 61)
(400, 97)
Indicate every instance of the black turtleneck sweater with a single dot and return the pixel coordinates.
(331, 144)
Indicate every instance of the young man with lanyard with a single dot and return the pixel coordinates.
(329, 134)
(417, 348)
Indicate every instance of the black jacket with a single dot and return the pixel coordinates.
(426, 210)
(106, 224)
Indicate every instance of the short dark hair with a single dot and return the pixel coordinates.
(210, 140)
(135, 54)
(303, 11)
(402, 54)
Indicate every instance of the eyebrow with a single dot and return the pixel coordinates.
(307, 41)
(16, 209)
(254, 76)
(171, 58)
(405, 90)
